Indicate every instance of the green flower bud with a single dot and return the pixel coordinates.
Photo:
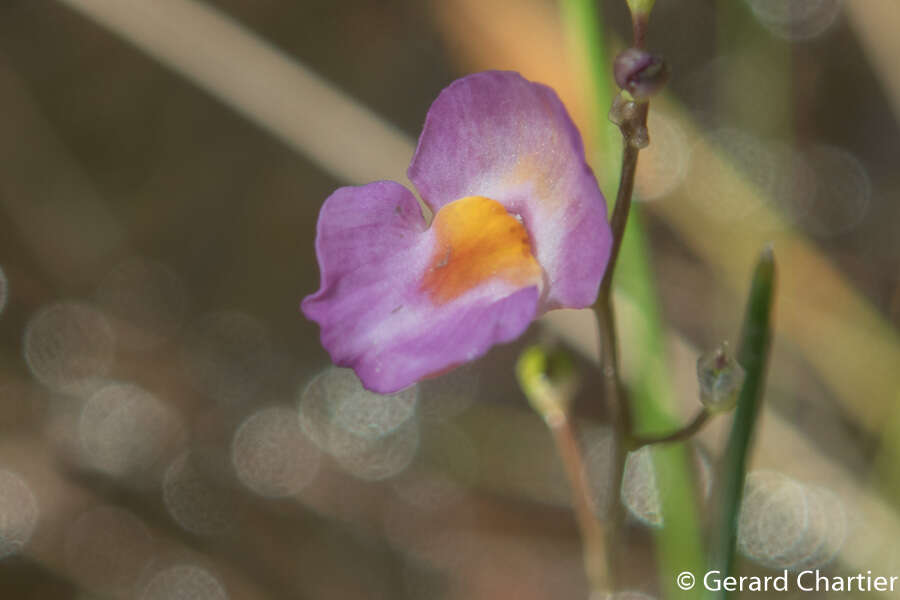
(548, 381)
(721, 378)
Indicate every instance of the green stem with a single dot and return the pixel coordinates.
(583, 23)
(587, 44)
(679, 544)
(753, 355)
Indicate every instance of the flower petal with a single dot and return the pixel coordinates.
(497, 135)
(399, 302)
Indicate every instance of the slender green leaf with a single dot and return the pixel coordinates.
(679, 543)
(753, 354)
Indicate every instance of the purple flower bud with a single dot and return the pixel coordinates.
(640, 73)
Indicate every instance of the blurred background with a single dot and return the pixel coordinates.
(170, 426)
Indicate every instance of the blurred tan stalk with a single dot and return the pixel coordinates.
(877, 23)
(260, 82)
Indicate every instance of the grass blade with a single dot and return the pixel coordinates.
(753, 354)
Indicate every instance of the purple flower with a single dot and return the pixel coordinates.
(519, 228)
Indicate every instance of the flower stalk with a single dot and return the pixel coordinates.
(640, 15)
(720, 377)
(680, 435)
(593, 533)
(547, 380)
(630, 115)
(632, 119)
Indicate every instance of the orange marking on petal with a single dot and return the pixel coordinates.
(477, 240)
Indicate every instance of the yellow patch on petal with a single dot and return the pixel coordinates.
(477, 240)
